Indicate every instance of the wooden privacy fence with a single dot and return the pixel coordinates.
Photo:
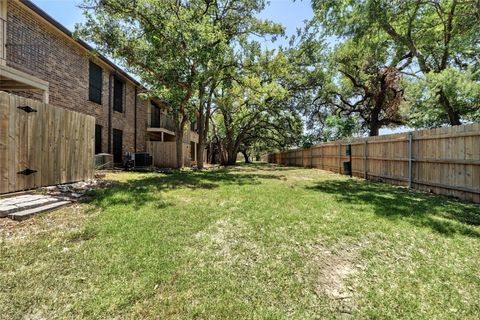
(165, 154)
(444, 160)
(42, 145)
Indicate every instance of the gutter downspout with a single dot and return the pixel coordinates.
(110, 113)
(135, 120)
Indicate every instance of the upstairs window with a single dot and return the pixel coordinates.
(95, 83)
(154, 116)
(118, 92)
(194, 126)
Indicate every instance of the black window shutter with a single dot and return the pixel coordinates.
(95, 83)
(118, 89)
(117, 146)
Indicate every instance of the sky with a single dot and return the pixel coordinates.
(287, 12)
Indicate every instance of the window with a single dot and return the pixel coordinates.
(192, 151)
(194, 126)
(95, 83)
(154, 116)
(98, 139)
(118, 86)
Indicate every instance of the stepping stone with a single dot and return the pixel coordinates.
(23, 203)
(14, 194)
(25, 214)
(24, 206)
(5, 209)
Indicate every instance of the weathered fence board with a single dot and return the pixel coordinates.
(443, 160)
(57, 143)
(165, 155)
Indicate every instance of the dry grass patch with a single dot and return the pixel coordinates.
(227, 242)
(66, 220)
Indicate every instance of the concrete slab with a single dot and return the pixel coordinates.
(21, 203)
(20, 199)
(6, 209)
(25, 214)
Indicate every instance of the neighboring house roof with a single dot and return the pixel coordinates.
(67, 32)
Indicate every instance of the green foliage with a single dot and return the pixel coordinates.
(307, 140)
(462, 88)
(169, 44)
(354, 82)
(337, 128)
(251, 112)
(435, 40)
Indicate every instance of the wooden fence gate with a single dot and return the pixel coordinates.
(42, 145)
(165, 154)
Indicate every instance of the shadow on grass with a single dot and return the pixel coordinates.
(276, 167)
(138, 192)
(442, 214)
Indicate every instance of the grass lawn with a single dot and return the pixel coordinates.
(251, 242)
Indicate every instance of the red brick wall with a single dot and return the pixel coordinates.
(37, 48)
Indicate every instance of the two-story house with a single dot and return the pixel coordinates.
(40, 59)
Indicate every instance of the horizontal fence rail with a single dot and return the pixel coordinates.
(443, 160)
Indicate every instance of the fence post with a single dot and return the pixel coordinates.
(340, 158)
(311, 157)
(322, 156)
(350, 159)
(365, 157)
(410, 173)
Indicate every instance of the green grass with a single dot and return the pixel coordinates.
(250, 242)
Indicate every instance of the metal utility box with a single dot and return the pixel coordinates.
(347, 168)
(103, 161)
(138, 160)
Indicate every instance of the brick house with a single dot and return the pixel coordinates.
(40, 59)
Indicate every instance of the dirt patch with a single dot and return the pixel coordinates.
(335, 271)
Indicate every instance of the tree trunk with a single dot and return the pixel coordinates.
(245, 155)
(373, 131)
(379, 98)
(374, 125)
(229, 155)
(453, 116)
(179, 131)
(232, 157)
(221, 152)
(201, 128)
(233, 152)
(179, 145)
(200, 152)
(228, 147)
(180, 122)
